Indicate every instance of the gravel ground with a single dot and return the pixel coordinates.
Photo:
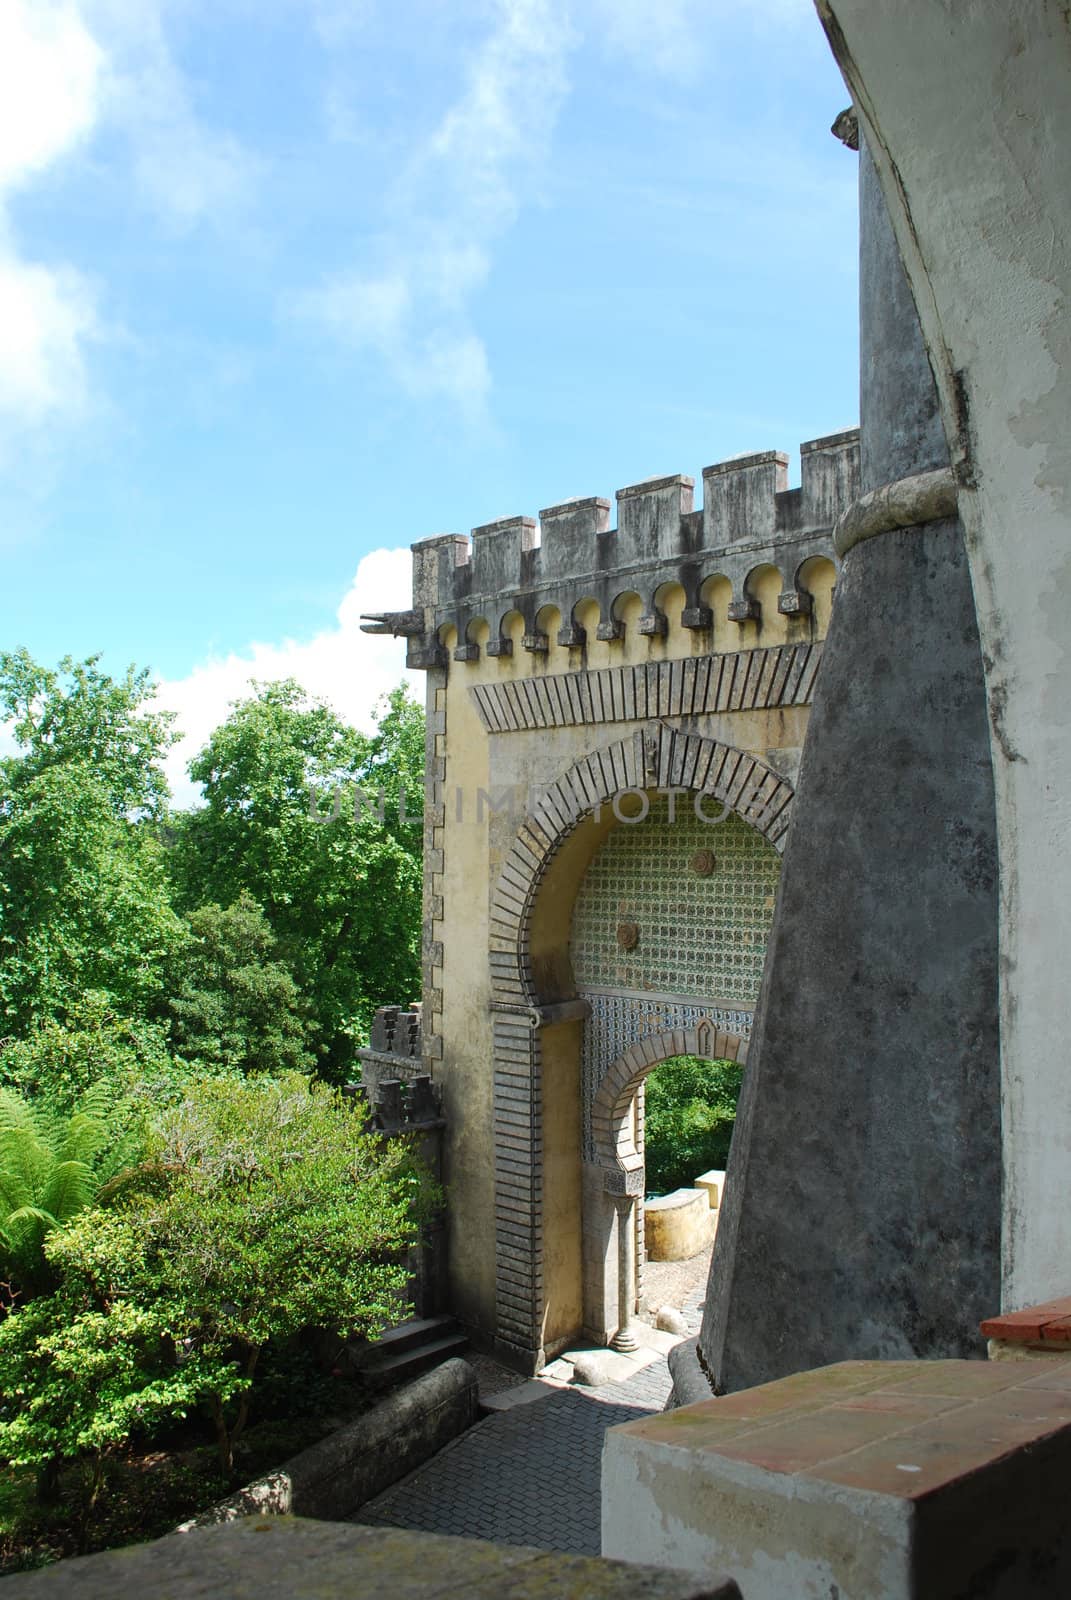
(671, 1283)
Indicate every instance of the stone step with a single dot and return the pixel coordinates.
(418, 1358)
(416, 1330)
(410, 1348)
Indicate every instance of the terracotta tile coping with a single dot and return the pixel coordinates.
(1049, 1323)
(902, 1428)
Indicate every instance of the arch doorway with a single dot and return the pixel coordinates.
(615, 1180)
(634, 902)
(667, 944)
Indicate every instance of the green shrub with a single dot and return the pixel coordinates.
(267, 1207)
(690, 1114)
(81, 1370)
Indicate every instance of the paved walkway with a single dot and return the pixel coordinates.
(529, 1472)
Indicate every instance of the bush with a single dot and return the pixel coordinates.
(81, 1371)
(267, 1207)
(690, 1114)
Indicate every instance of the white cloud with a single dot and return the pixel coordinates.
(67, 68)
(184, 170)
(349, 669)
(50, 86)
(50, 68)
(46, 317)
(460, 191)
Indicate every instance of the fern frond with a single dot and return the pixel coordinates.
(14, 1192)
(71, 1187)
(16, 1114)
(83, 1139)
(18, 1223)
(25, 1155)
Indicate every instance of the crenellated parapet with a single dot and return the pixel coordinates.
(571, 559)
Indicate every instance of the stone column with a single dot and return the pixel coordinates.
(862, 1211)
(625, 1338)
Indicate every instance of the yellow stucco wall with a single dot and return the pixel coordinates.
(473, 851)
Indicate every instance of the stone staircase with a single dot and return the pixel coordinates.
(409, 1349)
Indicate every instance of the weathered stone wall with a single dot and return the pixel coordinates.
(862, 1216)
(968, 114)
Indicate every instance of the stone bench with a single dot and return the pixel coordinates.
(678, 1225)
(1043, 1330)
(868, 1480)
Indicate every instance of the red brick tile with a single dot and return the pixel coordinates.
(905, 1466)
(798, 1443)
(911, 1407)
(1046, 1373)
(1057, 1332)
(1020, 1327)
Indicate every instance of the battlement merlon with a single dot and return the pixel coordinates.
(749, 518)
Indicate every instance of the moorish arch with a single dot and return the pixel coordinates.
(656, 756)
(710, 779)
(613, 1219)
(615, 1143)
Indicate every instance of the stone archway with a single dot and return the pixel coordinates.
(656, 756)
(615, 1147)
(613, 1191)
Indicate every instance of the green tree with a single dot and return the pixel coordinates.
(84, 897)
(234, 1006)
(690, 1112)
(81, 716)
(85, 900)
(341, 892)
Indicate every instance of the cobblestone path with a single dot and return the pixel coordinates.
(528, 1474)
(525, 1476)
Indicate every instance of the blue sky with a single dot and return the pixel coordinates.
(287, 284)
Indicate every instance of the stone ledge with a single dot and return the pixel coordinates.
(337, 1475)
(908, 1480)
(286, 1558)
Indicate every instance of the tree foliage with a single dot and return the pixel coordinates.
(340, 892)
(176, 1195)
(234, 1006)
(79, 716)
(85, 902)
(56, 1061)
(690, 1111)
